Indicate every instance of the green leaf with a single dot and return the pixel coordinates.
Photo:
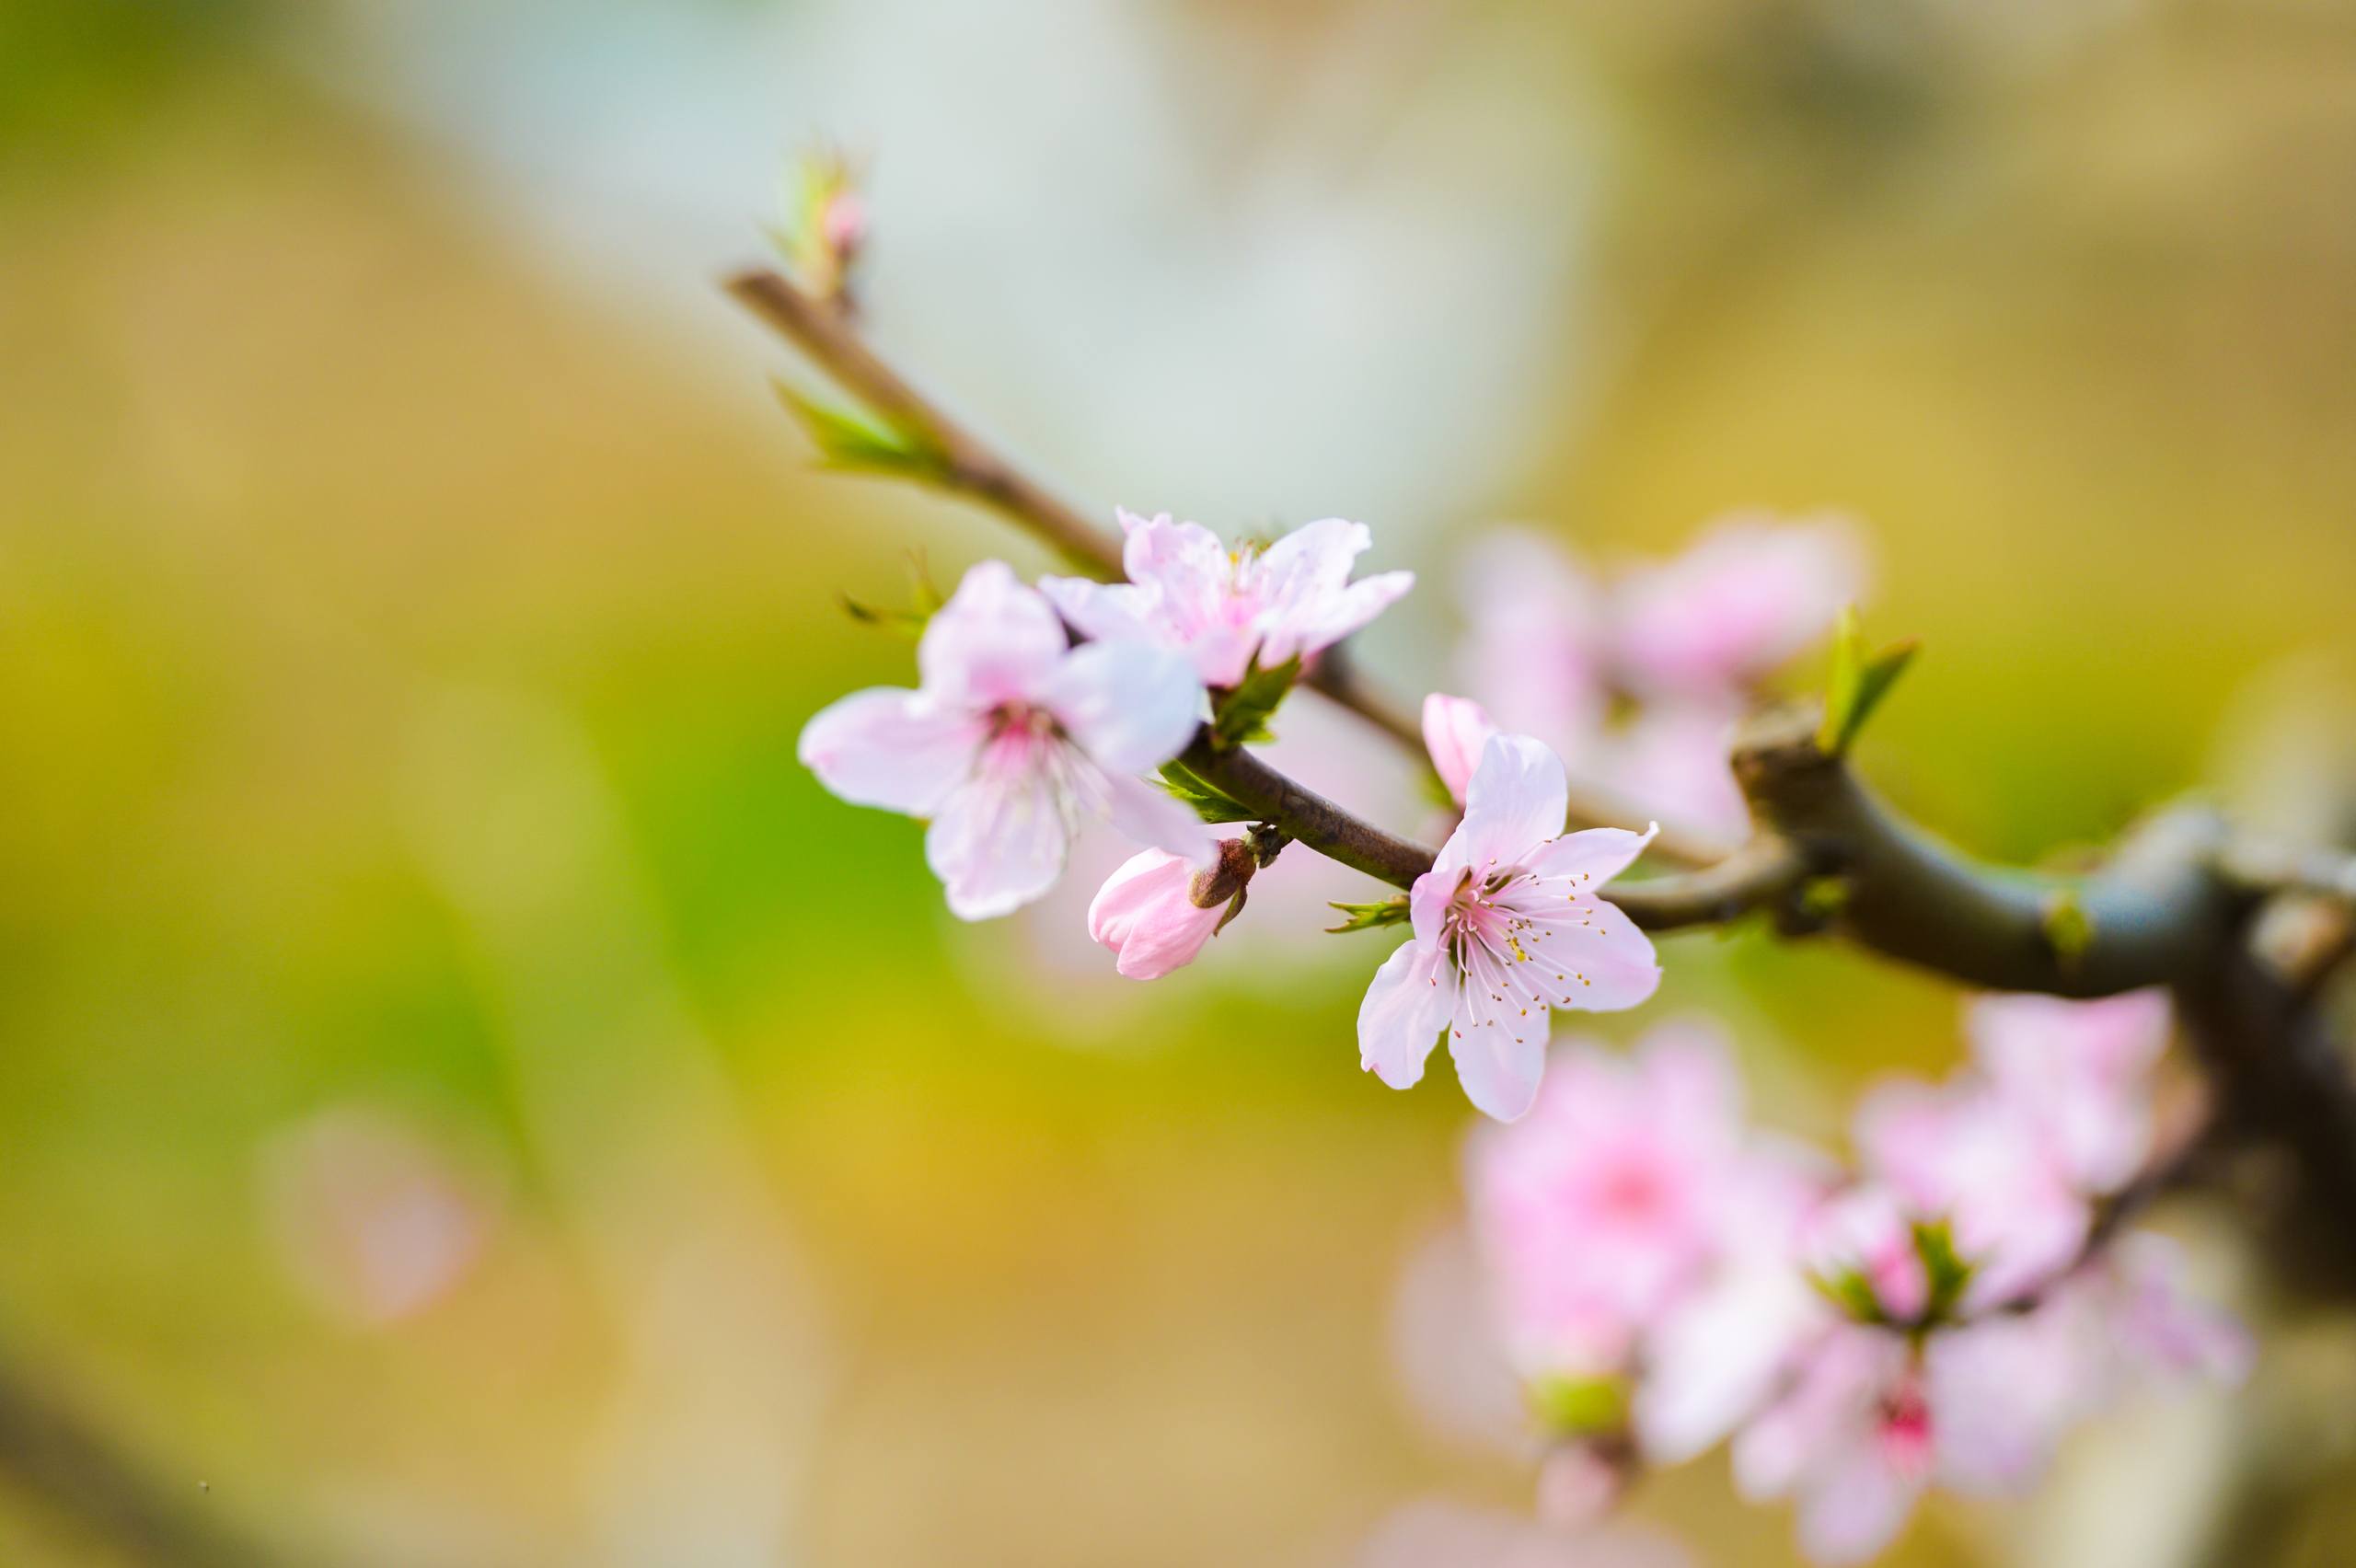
(855, 444)
(1853, 1294)
(1948, 1271)
(1242, 713)
(1857, 683)
(1206, 802)
(1367, 917)
(900, 623)
(1579, 1407)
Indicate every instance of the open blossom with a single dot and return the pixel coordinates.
(1012, 740)
(1601, 1208)
(1225, 609)
(1508, 925)
(1158, 909)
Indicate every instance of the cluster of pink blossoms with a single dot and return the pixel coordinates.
(1637, 682)
(1041, 709)
(1940, 1314)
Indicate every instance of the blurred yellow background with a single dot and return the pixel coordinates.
(468, 1098)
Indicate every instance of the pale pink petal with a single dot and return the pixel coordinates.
(1405, 1008)
(1672, 758)
(1131, 707)
(1856, 1507)
(1455, 729)
(1617, 968)
(999, 843)
(1145, 814)
(1144, 914)
(1499, 1071)
(1713, 1363)
(1514, 803)
(994, 641)
(1111, 612)
(1595, 854)
(1350, 610)
(895, 749)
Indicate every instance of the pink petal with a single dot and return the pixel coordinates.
(1747, 595)
(1617, 959)
(1131, 707)
(1500, 1073)
(1535, 649)
(886, 747)
(1713, 1363)
(1854, 1508)
(1455, 729)
(1111, 612)
(1514, 803)
(1145, 814)
(997, 844)
(1406, 1006)
(994, 641)
(1597, 853)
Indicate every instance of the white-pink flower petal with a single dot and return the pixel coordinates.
(892, 748)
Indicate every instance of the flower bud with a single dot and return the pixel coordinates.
(1455, 728)
(1158, 909)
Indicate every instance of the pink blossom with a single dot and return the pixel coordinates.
(1507, 925)
(1455, 729)
(2133, 1317)
(1745, 597)
(1872, 1418)
(2078, 1072)
(1012, 740)
(1603, 1206)
(1227, 608)
(1147, 913)
(1961, 1154)
(1536, 648)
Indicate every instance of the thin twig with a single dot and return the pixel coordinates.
(969, 467)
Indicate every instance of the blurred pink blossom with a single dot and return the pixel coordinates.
(1604, 1205)
(1751, 593)
(2078, 1072)
(1226, 608)
(369, 1215)
(1014, 739)
(1508, 883)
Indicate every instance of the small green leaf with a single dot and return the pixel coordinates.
(1853, 1294)
(1241, 715)
(1579, 1407)
(2069, 930)
(849, 440)
(1857, 683)
(1206, 802)
(1367, 917)
(1823, 897)
(1947, 1271)
(900, 623)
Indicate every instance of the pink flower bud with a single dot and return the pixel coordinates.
(1455, 728)
(1158, 909)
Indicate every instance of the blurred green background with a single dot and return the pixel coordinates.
(467, 1097)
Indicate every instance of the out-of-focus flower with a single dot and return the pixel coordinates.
(1015, 738)
(1159, 909)
(1508, 925)
(1861, 1247)
(1601, 1208)
(1225, 609)
(1960, 1154)
(1455, 729)
(369, 1215)
(1872, 1418)
(1746, 596)
(1638, 683)
(2135, 1315)
(2077, 1072)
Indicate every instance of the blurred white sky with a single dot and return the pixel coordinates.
(1194, 258)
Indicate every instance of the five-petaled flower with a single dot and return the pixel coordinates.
(1013, 739)
(1508, 925)
(1225, 609)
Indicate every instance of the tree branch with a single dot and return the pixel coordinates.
(969, 467)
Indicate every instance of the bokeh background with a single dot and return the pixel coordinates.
(468, 1097)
